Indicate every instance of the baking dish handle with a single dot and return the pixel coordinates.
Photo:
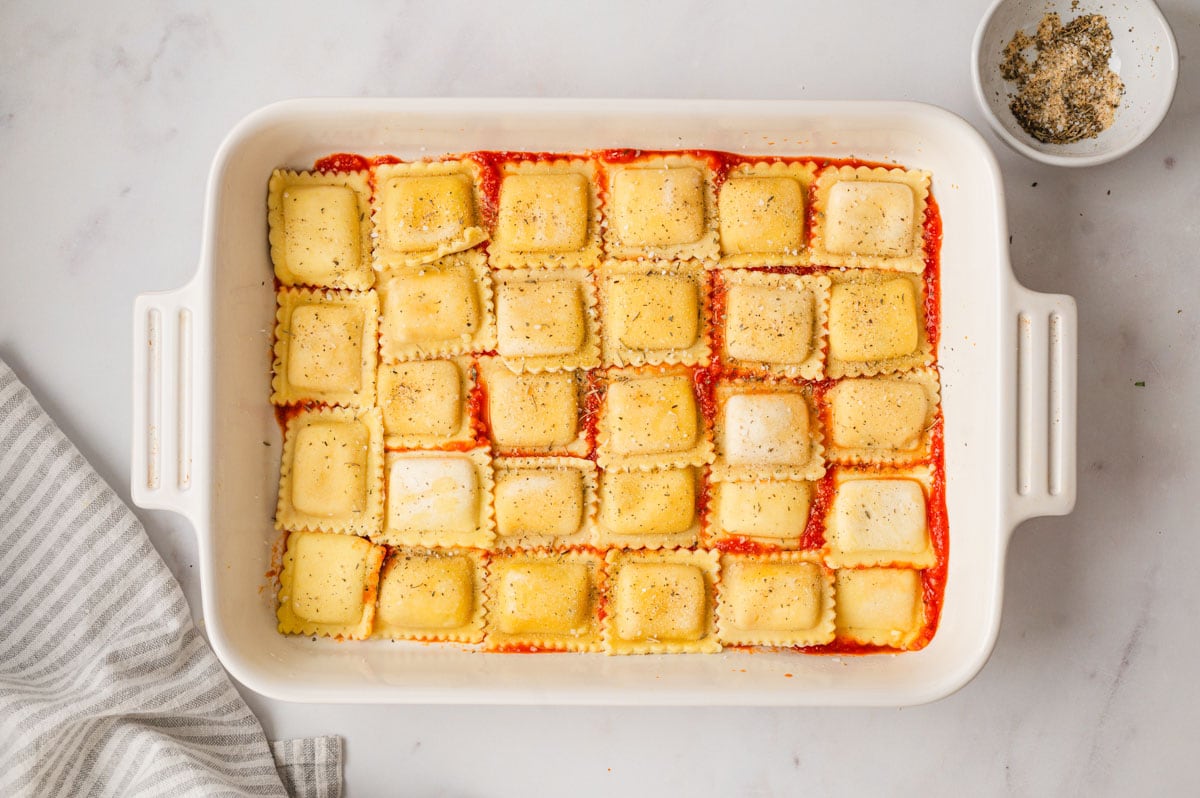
(165, 377)
(1042, 478)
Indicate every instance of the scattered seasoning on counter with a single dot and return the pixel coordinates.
(1067, 92)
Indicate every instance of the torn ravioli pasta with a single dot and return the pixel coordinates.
(424, 211)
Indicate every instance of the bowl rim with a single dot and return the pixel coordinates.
(1148, 126)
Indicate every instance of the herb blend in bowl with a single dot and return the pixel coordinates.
(1051, 94)
(1067, 92)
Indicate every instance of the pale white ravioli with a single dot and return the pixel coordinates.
(439, 498)
(879, 606)
(879, 518)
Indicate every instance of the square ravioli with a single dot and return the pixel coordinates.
(438, 499)
(653, 313)
(325, 348)
(876, 325)
(648, 509)
(769, 511)
(547, 215)
(882, 419)
(425, 403)
(661, 207)
(767, 431)
(332, 472)
(871, 217)
(661, 602)
(327, 585)
(775, 322)
(423, 211)
(545, 321)
(442, 308)
(879, 518)
(879, 606)
(651, 417)
(319, 232)
(775, 600)
(544, 601)
(535, 413)
(544, 501)
(431, 594)
(762, 212)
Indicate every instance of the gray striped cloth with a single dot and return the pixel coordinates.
(106, 687)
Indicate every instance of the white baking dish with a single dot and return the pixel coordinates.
(201, 416)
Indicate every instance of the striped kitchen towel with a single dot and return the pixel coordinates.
(106, 687)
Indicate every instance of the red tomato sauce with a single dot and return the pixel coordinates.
(342, 162)
(285, 413)
(933, 273)
(736, 544)
(589, 418)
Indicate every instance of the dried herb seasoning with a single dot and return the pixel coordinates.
(1066, 93)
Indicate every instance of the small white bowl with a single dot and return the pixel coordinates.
(1144, 55)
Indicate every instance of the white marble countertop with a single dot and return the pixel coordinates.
(110, 115)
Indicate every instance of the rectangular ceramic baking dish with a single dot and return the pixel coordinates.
(201, 416)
